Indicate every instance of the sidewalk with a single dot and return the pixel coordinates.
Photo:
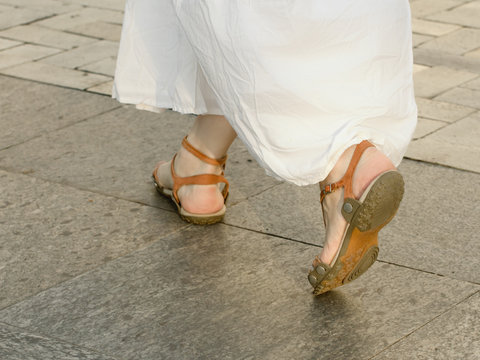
(95, 265)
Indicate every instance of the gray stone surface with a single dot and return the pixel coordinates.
(84, 55)
(285, 210)
(5, 43)
(50, 233)
(455, 145)
(19, 16)
(458, 42)
(422, 8)
(57, 75)
(474, 54)
(431, 27)
(224, 293)
(436, 228)
(29, 109)
(419, 39)
(115, 154)
(99, 29)
(438, 79)
(474, 84)
(466, 15)
(43, 36)
(462, 96)
(105, 66)
(54, 6)
(80, 17)
(453, 335)
(426, 127)
(104, 88)
(441, 58)
(24, 53)
(444, 111)
(103, 4)
(19, 344)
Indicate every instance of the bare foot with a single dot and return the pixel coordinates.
(196, 199)
(371, 164)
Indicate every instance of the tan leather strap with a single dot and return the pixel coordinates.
(346, 180)
(202, 156)
(203, 179)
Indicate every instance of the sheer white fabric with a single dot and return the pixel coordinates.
(299, 80)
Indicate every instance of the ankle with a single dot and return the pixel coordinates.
(187, 164)
(339, 168)
(205, 148)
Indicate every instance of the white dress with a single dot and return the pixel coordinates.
(298, 80)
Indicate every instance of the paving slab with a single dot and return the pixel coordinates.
(4, 8)
(50, 233)
(441, 58)
(53, 6)
(438, 79)
(99, 29)
(81, 17)
(437, 224)
(84, 55)
(426, 127)
(466, 15)
(432, 230)
(458, 42)
(474, 84)
(223, 293)
(422, 8)
(286, 210)
(104, 66)
(19, 16)
(48, 37)
(473, 54)
(105, 88)
(462, 96)
(51, 74)
(453, 335)
(455, 145)
(18, 344)
(444, 111)
(106, 4)
(24, 53)
(42, 108)
(432, 28)
(5, 43)
(418, 39)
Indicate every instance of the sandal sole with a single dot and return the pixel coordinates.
(359, 249)
(208, 219)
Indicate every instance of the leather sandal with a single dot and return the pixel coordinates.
(203, 179)
(365, 217)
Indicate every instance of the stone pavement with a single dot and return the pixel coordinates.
(95, 265)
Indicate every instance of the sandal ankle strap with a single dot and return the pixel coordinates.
(202, 156)
(346, 180)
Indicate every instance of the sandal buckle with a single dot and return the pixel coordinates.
(330, 188)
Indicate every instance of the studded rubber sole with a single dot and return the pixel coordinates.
(359, 249)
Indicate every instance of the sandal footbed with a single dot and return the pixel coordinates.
(359, 250)
(198, 219)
